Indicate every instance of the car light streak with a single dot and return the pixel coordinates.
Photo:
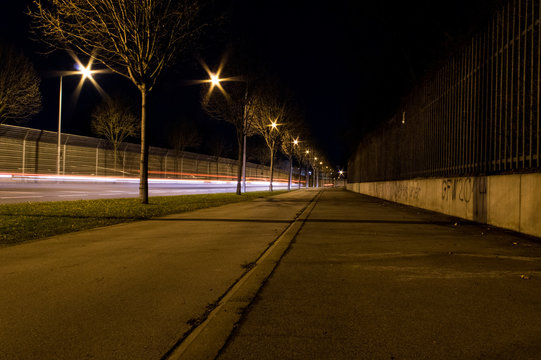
(82, 178)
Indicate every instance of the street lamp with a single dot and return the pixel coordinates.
(86, 73)
(215, 81)
(307, 168)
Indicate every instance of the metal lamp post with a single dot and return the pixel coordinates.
(215, 81)
(85, 72)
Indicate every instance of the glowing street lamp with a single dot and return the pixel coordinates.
(274, 125)
(215, 81)
(86, 73)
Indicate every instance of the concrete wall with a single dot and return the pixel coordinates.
(508, 201)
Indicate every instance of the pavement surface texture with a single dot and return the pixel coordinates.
(369, 279)
(132, 291)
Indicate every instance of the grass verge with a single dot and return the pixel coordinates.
(31, 221)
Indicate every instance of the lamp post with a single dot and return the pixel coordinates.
(318, 172)
(316, 175)
(244, 136)
(85, 72)
(295, 143)
(272, 140)
(215, 81)
(307, 169)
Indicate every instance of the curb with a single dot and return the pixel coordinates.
(207, 340)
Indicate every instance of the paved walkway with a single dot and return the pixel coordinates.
(367, 279)
(131, 291)
(344, 277)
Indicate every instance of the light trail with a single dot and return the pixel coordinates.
(82, 178)
(17, 187)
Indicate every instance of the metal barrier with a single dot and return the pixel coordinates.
(476, 114)
(31, 151)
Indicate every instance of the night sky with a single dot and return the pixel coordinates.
(346, 63)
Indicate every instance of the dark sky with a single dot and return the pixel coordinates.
(347, 63)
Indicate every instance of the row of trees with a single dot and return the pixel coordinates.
(260, 112)
(138, 39)
(256, 106)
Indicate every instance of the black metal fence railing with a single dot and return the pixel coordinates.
(476, 114)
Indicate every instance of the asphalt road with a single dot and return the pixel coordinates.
(15, 191)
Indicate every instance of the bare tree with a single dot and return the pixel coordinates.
(114, 120)
(288, 145)
(236, 107)
(269, 115)
(19, 86)
(134, 38)
(182, 136)
(290, 134)
(218, 148)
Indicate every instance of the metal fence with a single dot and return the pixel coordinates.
(30, 151)
(478, 113)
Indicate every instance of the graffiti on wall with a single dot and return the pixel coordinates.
(467, 190)
(406, 191)
(457, 189)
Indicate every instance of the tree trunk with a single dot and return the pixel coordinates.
(300, 173)
(115, 152)
(290, 173)
(143, 165)
(271, 169)
(241, 154)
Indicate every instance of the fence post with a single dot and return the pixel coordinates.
(64, 155)
(181, 165)
(165, 167)
(97, 157)
(24, 152)
(64, 160)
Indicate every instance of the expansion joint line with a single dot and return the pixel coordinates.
(207, 339)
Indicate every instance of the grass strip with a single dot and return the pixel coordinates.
(31, 221)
